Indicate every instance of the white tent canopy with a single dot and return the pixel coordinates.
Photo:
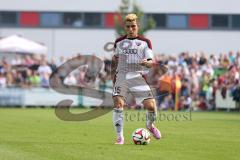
(18, 44)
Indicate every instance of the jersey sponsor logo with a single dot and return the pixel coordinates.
(130, 51)
(138, 43)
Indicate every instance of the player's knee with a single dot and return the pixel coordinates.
(149, 104)
(118, 102)
(118, 105)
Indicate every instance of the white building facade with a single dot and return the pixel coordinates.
(77, 26)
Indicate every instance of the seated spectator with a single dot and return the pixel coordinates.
(202, 104)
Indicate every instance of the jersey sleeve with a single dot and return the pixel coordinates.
(116, 50)
(148, 53)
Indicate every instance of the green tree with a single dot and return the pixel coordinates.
(146, 23)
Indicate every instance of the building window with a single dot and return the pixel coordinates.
(8, 18)
(236, 21)
(198, 21)
(109, 19)
(220, 21)
(29, 19)
(73, 19)
(51, 19)
(160, 19)
(177, 21)
(93, 19)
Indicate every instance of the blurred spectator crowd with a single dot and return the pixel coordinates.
(195, 78)
(191, 80)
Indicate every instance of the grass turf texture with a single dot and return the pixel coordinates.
(27, 134)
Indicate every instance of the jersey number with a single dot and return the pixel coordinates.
(117, 90)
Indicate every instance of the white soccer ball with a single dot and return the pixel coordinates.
(141, 136)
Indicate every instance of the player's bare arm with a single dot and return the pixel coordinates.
(147, 63)
(114, 66)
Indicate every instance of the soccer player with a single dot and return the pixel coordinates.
(133, 55)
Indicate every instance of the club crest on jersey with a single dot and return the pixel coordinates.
(125, 44)
(138, 43)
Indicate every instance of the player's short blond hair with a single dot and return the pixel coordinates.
(131, 17)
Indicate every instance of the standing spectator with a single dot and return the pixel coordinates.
(5, 65)
(53, 64)
(44, 71)
(213, 61)
(167, 103)
(236, 94)
(237, 59)
(18, 79)
(231, 57)
(203, 59)
(209, 96)
(209, 69)
(81, 75)
(70, 80)
(9, 78)
(34, 79)
(194, 84)
(172, 62)
(16, 61)
(28, 61)
(184, 91)
(107, 63)
(187, 102)
(3, 81)
(225, 61)
(61, 61)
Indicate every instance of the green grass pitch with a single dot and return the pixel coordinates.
(37, 134)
